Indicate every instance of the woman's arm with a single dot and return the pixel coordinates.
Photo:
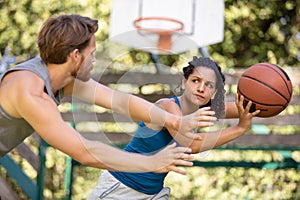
(214, 139)
(231, 110)
(223, 136)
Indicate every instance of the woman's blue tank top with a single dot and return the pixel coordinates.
(146, 141)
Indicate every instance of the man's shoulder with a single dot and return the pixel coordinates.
(31, 62)
(24, 80)
(30, 67)
(18, 87)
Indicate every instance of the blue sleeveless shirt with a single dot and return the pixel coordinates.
(146, 141)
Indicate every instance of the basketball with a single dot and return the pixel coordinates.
(268, 87)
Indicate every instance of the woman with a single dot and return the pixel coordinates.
(203, 87)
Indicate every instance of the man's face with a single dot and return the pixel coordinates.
(88, 58)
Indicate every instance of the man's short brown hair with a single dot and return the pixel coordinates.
(61, 35)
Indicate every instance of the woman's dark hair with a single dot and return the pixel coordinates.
(217, 103)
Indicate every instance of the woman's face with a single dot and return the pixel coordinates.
(200, 86)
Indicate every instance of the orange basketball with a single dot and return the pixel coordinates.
(269, 88)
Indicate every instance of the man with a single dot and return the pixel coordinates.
(31, 91)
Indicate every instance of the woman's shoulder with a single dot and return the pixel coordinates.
(165, 102)
(168, 104)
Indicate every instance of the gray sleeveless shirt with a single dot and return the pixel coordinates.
(12, 130)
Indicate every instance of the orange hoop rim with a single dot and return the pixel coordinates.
(158, 31)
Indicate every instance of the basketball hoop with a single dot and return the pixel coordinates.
(161, 27)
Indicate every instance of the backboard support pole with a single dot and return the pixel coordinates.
(204, 52)
(155, 60)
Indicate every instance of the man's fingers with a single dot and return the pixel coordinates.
(205, 108)
(184, 153)
(181, 156)
(179, 151)
(207, 119)
(203, 124)
(177, 170)
(184, 163)
(173, 145)
(182, 150)
(205, 111)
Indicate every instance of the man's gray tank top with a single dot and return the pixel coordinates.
(12, 130)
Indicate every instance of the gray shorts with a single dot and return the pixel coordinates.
(108, 187)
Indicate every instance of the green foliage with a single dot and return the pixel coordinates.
(234, 183)
(21, 21)
(259, 31)
(85, 180)
(255, 31)
(100, 10)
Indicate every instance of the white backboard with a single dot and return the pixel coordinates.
(203, 23)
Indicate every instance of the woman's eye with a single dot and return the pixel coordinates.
(209, 85)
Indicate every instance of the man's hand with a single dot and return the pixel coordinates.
(204, 117)
(170, 157)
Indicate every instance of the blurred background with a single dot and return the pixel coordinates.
(254, 31)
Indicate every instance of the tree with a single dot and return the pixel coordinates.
(21, 21)
(255, 31)
(259, 31)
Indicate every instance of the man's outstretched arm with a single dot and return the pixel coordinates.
(139, 109)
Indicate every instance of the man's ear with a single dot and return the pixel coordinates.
(75, 55)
